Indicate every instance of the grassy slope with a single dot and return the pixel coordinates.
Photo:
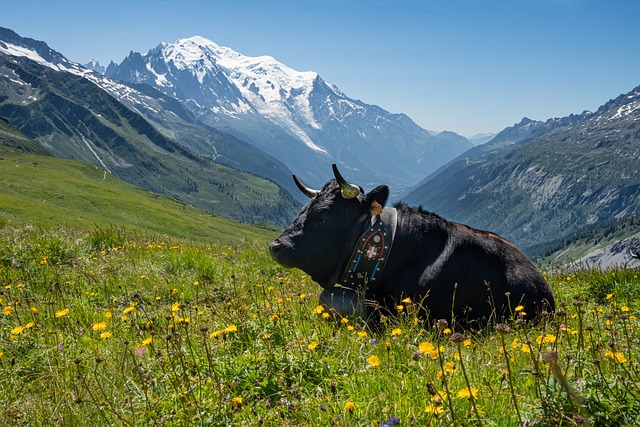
(180, 333)
(55, 192)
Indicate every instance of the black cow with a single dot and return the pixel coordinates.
(452, 269)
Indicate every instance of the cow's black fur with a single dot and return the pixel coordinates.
(450, 268)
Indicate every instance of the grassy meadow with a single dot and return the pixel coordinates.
(55, 192)
(112, 327)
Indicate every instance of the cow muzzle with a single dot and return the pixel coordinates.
(279, 252)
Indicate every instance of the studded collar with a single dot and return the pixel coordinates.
(371, 252)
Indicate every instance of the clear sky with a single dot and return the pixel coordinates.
(470, 66)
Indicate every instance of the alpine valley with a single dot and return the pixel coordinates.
(544, 184)
(195, 98)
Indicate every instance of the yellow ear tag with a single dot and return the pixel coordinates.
(375, 209)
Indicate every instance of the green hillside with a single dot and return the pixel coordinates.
(54, 192)
(11, 139)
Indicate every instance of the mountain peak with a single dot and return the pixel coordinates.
(95, 66)
(308, 122)
(191, 50)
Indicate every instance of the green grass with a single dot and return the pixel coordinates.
(54, 192)
(109, 328)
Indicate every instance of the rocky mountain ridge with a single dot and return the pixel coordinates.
(539, 181)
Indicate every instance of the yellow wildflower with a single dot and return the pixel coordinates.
(362, 334)
(373, 361)
(105, 335)
(319, 309)
(434, 409)
(62, 313)
(467, 393)
(349, 406)
(7, 310)
(236, 401)
(396, 331)
(624, 308)
(17, 330)
(615, 355)
(312, 345)
(146, 341)
(406, 300)
(426, 347)
(231, 328)
(99, 326)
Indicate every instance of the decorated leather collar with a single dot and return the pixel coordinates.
(371, 252)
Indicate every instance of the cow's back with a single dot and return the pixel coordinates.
(450, 267)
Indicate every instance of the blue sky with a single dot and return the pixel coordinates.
(469, 66)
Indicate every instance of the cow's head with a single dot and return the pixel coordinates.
(323, 236)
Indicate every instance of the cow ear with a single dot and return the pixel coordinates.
(376, 199)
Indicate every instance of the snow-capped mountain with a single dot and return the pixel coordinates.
(95, 66)
(295, 116)
(168, 116)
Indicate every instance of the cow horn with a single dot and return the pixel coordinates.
(349, 191)
(310, 193)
